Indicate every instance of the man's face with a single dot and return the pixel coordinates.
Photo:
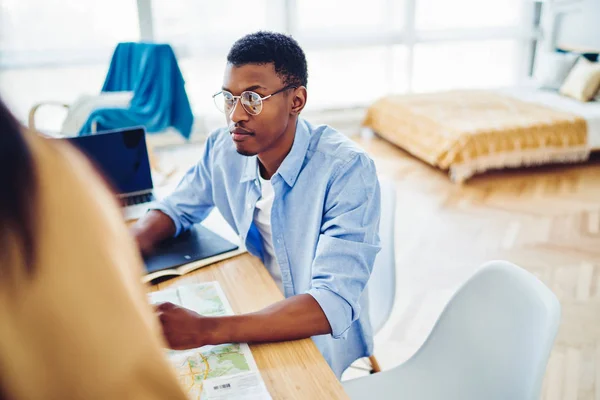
(254, 134)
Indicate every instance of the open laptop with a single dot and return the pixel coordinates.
(122, 157)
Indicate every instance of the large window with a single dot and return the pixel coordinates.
(59, 49)
(330, 15)
(465, 14)
(357, 50)
(465, 64)
(368, 76)
(63, 32)
(202, 25)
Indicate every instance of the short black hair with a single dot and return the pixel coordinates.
(270, 47)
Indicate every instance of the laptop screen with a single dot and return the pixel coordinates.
(121, 156)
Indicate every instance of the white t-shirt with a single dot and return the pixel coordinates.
(262, 220)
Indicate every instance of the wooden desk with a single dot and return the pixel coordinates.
(291, 370)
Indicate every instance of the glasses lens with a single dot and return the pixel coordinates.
(252, 102)
(224, 101)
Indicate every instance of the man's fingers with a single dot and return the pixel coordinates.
(166, 306)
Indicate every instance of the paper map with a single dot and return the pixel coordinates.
(223, 372)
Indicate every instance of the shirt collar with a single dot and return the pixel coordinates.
(291, 165)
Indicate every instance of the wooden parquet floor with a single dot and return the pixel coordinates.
(546, 220)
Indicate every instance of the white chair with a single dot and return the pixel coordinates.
(80, 110)
(492, 341)
(381, 288)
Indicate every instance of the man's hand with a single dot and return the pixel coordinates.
(151, 229)
(182, 328)
(145, 245)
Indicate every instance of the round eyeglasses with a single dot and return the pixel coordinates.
(251, 101)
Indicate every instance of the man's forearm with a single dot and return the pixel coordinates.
(297, 317)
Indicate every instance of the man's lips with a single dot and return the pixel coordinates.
(240, 134)
(239, 131)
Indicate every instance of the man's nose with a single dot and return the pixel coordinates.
(238, 113)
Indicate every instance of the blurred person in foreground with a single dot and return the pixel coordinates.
(303, 198)
(75, 322)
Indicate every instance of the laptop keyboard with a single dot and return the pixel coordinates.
(138, 199)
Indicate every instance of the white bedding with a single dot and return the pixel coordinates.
(590, 111)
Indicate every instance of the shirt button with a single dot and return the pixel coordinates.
(256, 182)
(249, 206)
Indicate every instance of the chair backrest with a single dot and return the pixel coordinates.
(82, 107)
(492, 341)
(382, 284)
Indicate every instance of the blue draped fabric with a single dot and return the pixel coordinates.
(159, 99)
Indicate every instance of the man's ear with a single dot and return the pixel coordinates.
(299, 97)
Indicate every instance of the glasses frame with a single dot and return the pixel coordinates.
(237, 98)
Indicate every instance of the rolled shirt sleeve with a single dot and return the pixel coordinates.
(192, 200)
(348, 243)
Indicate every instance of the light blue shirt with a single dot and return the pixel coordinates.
(324, 222)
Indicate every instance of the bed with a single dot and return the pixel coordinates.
(471, 131)
(590, 111)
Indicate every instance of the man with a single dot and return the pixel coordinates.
(303, 198)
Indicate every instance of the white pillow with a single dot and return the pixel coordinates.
(552, 68)
(583, 80)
